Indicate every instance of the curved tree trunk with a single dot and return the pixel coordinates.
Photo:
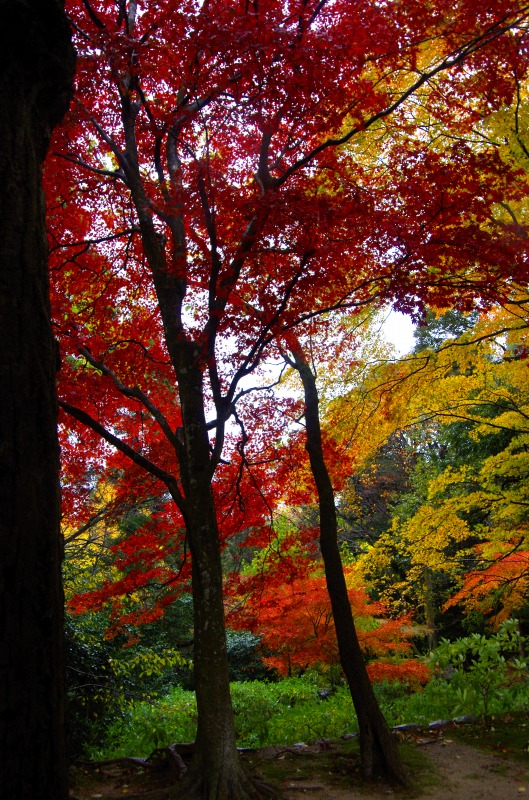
(36, 70)
(378, 748)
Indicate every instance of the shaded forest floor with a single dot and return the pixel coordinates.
(471, 762)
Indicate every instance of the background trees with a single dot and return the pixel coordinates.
(462, 519)
(36, 70)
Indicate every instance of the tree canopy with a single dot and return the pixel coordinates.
(230, 178)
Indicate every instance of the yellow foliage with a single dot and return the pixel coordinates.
(481, 379)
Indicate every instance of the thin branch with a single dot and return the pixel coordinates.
(99, 240)
(134, 393)
(450, 61)
(108, 173)
(93, 16)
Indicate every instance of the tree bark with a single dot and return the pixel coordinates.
(215, 773)
(429, 609)
(378, 748)
(36, 72)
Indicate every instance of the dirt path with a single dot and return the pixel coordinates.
(460, 772)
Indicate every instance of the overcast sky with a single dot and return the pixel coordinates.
(398, 329)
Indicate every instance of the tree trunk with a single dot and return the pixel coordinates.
(215, 773)
(36, 70)
(429, 609)
(378, 748)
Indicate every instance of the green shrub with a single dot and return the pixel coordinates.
(244, 657)
(103, 677)
(486, 674)
(474, 675)
(265, 714)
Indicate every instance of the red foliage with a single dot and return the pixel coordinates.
(285, 602)
(499, 590)
(202, 203)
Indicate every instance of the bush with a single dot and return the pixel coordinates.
(103, 677)
(474, 675)
(94, 693)
(486, 674)
(244, 657)
(265, 714)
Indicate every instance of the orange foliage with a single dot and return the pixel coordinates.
(289, 608)
(505, 583)
(411, 671)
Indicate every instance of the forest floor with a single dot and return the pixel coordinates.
(474, 762)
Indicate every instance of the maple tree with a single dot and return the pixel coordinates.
(203, 205)
(281, 596)
(36, 74)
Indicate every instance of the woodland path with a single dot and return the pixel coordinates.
(460, 772)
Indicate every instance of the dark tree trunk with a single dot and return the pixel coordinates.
(378, 749)
(215, 773)
(36, 70)
(429, 609)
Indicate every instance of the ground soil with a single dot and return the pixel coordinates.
(452, 772)
(441, 768)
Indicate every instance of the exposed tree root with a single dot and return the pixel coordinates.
(170, 756)
(237, 787)
(188, 783)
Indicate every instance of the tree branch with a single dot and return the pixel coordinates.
(145, 463)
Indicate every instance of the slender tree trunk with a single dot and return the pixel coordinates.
(36, 69)
(215, 773)
(429, 609)
(378, 748)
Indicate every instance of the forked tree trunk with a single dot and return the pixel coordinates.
(378, 749)
(215, 773)
(36, 70)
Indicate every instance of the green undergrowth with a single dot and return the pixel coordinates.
(292, 711)
(443, 700)
(477, 676)
(265, 714)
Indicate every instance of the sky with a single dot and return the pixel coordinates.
(398, 329)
